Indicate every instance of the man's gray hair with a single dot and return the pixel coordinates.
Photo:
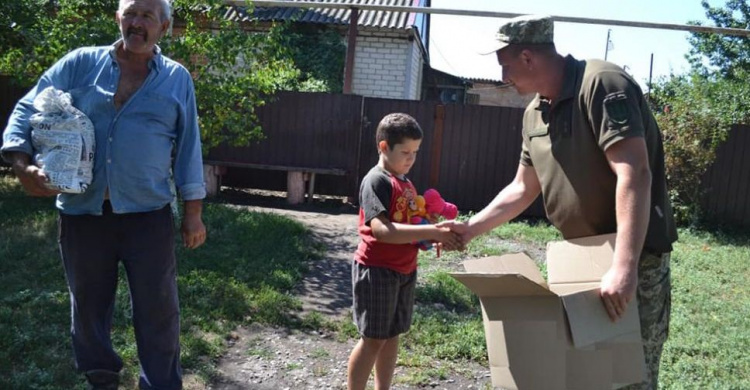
(166, 8)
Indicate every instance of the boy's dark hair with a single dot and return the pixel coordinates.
(394, 128)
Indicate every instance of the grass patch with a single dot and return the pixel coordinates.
(319, 371)
(442, 291)
(319, 353)
(243, 274)
(427, 377)
(709, 332)
(537, 231)
(316, 321)
(441, 334)
(259, 351)
(346, 330)
(447, 326)
(34, 308)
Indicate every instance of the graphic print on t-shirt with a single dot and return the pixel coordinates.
(406, 205)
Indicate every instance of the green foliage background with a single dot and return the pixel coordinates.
(34, 34)
(319, 52)
(727, 56)
(236, 69)
(697, 110)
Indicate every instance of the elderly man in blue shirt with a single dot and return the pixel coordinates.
(142, 105)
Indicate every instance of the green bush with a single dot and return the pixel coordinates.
(695, 113)
(697, 110)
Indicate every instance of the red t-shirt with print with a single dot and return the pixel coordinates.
(383, 192)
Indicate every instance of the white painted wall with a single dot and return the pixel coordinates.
(388, 67)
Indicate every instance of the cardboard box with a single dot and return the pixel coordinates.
(556, 335)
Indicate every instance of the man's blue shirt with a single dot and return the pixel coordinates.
(138, 146)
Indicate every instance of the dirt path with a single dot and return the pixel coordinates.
(275, 358)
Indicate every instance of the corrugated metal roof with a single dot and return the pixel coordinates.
(380, 19)
(485, 80)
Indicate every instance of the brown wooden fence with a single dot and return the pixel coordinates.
(469, 152)
(310, 130)
(727, 182)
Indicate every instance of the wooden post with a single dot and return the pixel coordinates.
(351, 46)
(212, 177)
(295, 187)
(311, 187)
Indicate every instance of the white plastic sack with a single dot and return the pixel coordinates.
(64, 141)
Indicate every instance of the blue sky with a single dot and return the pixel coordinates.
(455, 40)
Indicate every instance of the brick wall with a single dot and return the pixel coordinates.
(415, 81)
(387, 67)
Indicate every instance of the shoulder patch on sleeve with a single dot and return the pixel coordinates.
(616, 105)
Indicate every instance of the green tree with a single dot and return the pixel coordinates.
(14, 17)
(36, 33)
(696, 111)
(695, 114)
(319, 52)
(727, 55)
(235, 70)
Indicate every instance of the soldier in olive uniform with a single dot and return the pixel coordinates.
(592, 148)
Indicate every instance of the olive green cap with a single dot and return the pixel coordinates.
(527, 29)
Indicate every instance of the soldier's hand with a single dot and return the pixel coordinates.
(618, 288)
(461, 229)
(449, 240)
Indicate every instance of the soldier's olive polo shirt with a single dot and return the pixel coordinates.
(565, 142)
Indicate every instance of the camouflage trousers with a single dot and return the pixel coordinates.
(654, 304)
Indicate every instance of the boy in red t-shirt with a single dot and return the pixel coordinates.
(384, 269)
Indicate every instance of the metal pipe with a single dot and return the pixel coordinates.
(493, 14)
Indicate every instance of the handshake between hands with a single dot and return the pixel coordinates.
(453, 235)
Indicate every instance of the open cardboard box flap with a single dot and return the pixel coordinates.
(501, 285)
(575, 268)
(513, 263)
(513, 275)
(589, 322)
(580, 260)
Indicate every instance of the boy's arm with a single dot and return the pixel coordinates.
(399, 233)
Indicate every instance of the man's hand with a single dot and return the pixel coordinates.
(193, 231)
(459, 228)
(449, 240)
(32, 178)
(617, 290)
